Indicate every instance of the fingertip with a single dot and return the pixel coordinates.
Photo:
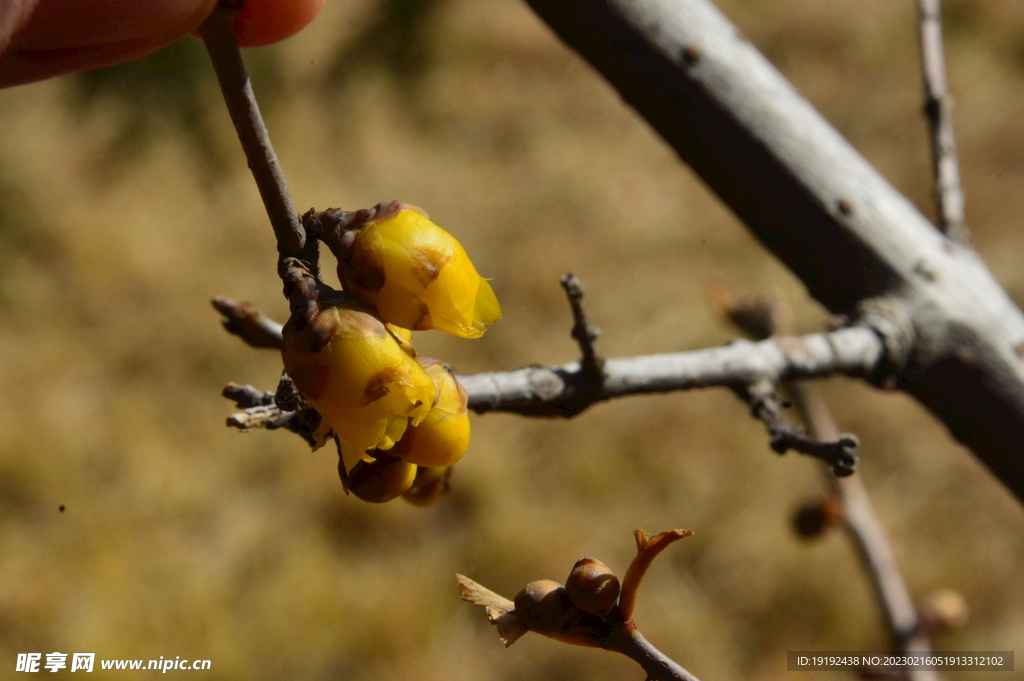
(262, 22)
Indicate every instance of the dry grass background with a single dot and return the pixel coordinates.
(125, 206)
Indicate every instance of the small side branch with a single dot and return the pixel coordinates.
(591, 362)
(866, 532)
(839, 452)
(285, 408)
(248, 323)
(761, 317)
(565, 390)
(569, 389)
(218, 32)
(938, 108)
(647, 549)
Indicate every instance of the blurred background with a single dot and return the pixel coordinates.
(134, 524)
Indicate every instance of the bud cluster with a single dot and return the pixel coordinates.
(577, 612)
(400, 421)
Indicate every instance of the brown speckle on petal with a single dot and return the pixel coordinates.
(427, 264)
(318, 333)
(424, 322)
(380, 385)
(365, 269)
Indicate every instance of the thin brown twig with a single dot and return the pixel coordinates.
(218, 33)
(765, 317)
(867, 533)
(582, 331)
(839, 452)
(659, 667)
(938, 108)
(246, 396)
(249, 323)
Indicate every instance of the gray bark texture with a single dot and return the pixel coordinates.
(568, 389)
(951, 335)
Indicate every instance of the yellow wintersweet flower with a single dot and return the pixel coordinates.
(366, 387)
(417, 275)
(443, 436)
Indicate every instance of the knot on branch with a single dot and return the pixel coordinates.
(286, 408)
(840, 454)
(890, 319)
(302, 289)
(307, 298)
(337, 228)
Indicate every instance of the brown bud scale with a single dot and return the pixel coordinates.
(544, 606)
(592, 586)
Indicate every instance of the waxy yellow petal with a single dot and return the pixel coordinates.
(419, 276)
(366, 387)
(442, 438)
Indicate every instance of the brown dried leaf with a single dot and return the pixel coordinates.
(478, 594)
(498, 608)
(510, 629)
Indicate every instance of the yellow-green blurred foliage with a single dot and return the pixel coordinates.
(125, 205)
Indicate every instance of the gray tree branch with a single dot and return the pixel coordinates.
(763, 318)
(566, 390)
(952, 337)
(938, 108)
(866, 532)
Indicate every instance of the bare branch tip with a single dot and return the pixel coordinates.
(218, 35)
(840, 454)
(584, 333)
(248, 323)
(647, 549)
(938, 109)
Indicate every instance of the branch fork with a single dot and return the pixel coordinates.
(583, 333)
(840, 454)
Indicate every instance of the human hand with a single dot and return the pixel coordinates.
(44, 38)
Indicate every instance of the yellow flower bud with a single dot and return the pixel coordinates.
(365, 386)
(378, 481)
(443, 436)
(417, 275)
(430, 485)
